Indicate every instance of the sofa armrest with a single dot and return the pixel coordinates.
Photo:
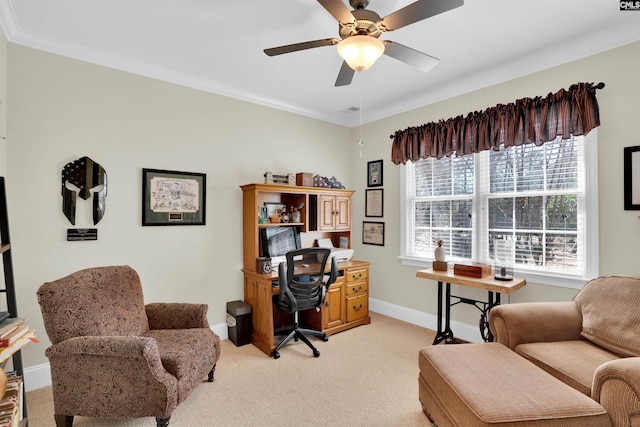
(514, 324)
(111, 376)
(177, 315)
(616, 386)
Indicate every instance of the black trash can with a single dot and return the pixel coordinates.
(239, 322)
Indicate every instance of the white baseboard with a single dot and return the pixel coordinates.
(426, 320)
(40, 376)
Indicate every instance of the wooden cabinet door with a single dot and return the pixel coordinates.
(335, 213)
(334, 305)
(327, 213)
(343, 208)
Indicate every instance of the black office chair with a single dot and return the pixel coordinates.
(303, 285)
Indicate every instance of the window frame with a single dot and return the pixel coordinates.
(591, 228)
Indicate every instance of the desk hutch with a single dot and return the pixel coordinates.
(326, 214)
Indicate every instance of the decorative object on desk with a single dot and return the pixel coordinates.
(632, 178)
(440, 254)
(263, 265)
(304, 179)
(85, 175)
(271, 178)
(295, 216)
(324, 182)
(263, 216)
(373, 233)
(374, 203)
(173, 198)
(374, 173)
(473, 269)
(440, 266)
(344, 242)
(503, 259)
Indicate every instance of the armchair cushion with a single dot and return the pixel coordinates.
(610, 314)
(80, 305)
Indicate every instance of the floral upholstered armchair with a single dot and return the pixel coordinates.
(112, 356)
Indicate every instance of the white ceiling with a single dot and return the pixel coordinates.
(217, 46)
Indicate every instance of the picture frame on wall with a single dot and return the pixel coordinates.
(632, 178)
(374, 203)
(173, 197)
(374, 173)
(373, 233)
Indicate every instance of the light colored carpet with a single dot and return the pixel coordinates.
(366, 376)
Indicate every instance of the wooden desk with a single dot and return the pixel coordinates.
(346, 305)
(492, 286)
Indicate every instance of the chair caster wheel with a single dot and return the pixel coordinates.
(316, 353)
(325, 338)
(276, 355)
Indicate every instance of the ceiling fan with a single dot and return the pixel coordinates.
(360, 28)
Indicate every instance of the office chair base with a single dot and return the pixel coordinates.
(299, 334)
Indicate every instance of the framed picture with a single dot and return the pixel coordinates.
(373, 233)
(173, 198)
(632, 178)
(374, 173)
(274, 208)
(374, 203)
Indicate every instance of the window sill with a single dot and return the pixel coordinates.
(562, 281)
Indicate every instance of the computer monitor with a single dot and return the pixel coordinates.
(277, 241)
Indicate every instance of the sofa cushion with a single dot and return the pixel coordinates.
(610, 314)
(572, 362)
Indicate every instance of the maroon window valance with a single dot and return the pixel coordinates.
(564, 113)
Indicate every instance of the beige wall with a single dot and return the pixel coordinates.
(61, 109)
(620, 126)
(3, 104)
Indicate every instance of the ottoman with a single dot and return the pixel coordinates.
(487, 384)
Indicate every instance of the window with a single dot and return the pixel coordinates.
(542, 200)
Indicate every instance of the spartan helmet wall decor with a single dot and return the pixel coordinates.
(84, 174)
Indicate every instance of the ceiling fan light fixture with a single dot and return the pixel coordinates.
(360, 51)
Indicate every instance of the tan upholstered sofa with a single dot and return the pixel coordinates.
(591, 343)
(112, 356)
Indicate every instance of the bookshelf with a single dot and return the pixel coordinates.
(9, 292)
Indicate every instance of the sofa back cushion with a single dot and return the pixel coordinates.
(101, 301)
(610, 308)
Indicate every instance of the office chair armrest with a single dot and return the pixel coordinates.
(177, 315)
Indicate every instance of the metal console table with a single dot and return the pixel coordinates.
(493, 287)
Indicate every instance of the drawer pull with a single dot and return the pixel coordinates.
(357, 308)
(356, 290)
(359, 276)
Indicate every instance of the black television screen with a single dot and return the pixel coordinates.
(277, 241)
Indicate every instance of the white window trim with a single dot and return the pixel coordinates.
(591, 244)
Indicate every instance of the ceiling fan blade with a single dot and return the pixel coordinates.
(300, 46)
(417, 11)
(345, 76)
(338, 10)
(417, 59)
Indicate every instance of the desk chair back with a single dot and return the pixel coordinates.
(303, 282)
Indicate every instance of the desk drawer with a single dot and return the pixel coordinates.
(357, 288)
(357, 307)
(357, 274)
